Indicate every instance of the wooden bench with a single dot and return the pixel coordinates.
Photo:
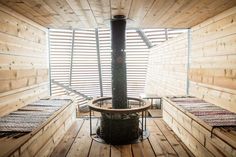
(152, 99)
(156, 105)
(199, 137)
(43, 139)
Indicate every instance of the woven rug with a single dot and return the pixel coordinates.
(29, 117)
(209, 113)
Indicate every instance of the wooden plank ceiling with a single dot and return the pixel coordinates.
(140, 13)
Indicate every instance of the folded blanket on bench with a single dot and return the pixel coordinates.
(209, 113)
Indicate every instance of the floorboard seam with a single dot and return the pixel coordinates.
(166, 138)
(75, 137)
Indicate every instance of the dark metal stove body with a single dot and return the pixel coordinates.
(120, 124)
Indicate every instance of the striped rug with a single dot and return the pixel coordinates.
(31, 116)
(209, 113)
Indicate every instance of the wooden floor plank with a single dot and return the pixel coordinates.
(181, 142)
(63, 147)
(143, 149)
(82, 142)
(172, 140)
(99, 150)
(160, 144)
(151, 125)
(121, 151)
(155, 113)
(86, 114)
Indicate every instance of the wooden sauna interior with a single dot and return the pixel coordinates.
(55, 57)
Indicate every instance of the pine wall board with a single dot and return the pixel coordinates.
(212, 65)
(167, 68)
(213, 60)
(23, 61)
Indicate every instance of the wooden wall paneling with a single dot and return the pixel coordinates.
(20, 97)
(220, 46)
(23, 61)
(216, 95)
(16, 62)
(10, 47)
(167, 68)
(219, 77)
(16, 41)
(213, 61)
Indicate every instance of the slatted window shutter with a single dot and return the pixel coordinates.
(60, 56)
(82, 71)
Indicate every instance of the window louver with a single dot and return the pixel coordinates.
(82, 73)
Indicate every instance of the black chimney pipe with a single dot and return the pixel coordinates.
(119, 82)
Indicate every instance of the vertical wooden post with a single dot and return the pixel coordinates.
(119, 82)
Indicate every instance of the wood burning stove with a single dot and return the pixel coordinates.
(120, 123)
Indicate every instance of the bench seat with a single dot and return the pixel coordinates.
(202, 138)
(41, 139)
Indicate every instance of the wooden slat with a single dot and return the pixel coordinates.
(98, 149)
(180, 141)
(119, 151)
(23, 60)
(65, 144)
(166, 73)
(137, 13)
(32, 143)
(12, 100)
(191, 142)
(143, 14)
(143, 149)
(85, 76)
(15, 79)
(157, 113)
(11, 12)
(200, 134)
(83, 141)
(212, 71)
(174, 143)
(160, 144)
(83, 145)
(120, 7)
